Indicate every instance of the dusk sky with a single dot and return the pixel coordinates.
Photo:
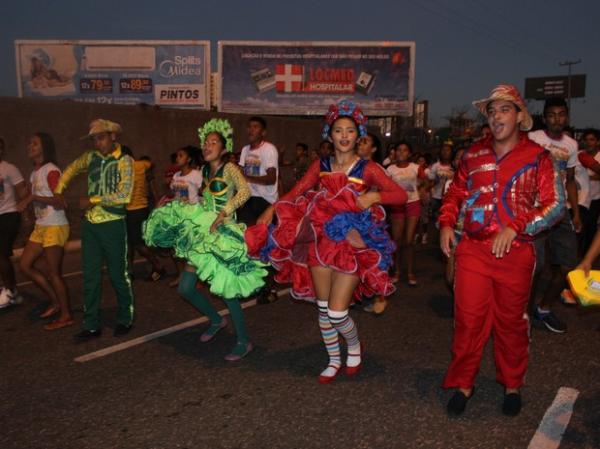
(463, 48)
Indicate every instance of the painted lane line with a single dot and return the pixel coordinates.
(161, 333)
(555, 421)
(152, 336)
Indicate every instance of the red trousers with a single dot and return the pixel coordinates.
(490, 297)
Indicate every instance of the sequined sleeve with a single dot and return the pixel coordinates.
(235, 178)
(551, 199)
(79, 165)
(391, 193)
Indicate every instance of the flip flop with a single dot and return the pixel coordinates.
(58, 324)
(412, 280)
(49, 312)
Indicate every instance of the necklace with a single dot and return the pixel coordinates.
(343, 167)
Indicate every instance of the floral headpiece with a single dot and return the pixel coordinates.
(345, 108)
(217, 125)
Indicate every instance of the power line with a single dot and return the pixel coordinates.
(533, 35)
(490, 18)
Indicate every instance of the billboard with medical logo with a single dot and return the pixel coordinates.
(304, 78)
(166, 73)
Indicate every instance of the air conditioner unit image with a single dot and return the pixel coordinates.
(119, 58)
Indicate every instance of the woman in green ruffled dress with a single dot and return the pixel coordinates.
(208, 238)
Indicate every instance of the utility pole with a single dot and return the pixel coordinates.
(569, 64)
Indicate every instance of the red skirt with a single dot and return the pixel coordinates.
(310, 231)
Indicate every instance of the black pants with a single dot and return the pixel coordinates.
(252, 209)
(590, 224)
(248, 214)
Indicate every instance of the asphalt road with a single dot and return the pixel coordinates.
(174, 392)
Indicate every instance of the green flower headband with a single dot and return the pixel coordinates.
(217, 125)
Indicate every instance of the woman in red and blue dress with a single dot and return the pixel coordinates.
(330, 240)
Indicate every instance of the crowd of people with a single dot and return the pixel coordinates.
(498, 207)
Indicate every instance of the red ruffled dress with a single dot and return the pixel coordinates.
(313, 220)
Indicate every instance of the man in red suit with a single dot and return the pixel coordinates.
(504, 192)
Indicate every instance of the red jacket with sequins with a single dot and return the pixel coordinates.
(522, 190)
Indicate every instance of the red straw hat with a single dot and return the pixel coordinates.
(507, 92)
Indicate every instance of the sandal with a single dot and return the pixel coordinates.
(51, 310)
(412, 280)
(156, 275)
(58, 324)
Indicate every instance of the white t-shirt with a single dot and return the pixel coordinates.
(440, 173)
(10, 176)
(255, 162)
(564, 151)
(407, 178)
(186, 188)
(582, 180)
(46, 215)
(594, 185)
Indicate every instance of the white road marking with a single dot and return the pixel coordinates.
(555, 421)
(161, 333)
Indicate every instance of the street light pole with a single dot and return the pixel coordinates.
(569, 64)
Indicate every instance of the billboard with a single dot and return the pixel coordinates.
(166, 73)
(304, 78)
(554, 86)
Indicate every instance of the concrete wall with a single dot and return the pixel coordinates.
(147, 130)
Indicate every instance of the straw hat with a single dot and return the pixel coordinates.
(100, 126)
(507, 92)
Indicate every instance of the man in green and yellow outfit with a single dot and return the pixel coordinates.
(103, 229)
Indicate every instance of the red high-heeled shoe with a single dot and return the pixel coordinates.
(354, 370)
(323, 380)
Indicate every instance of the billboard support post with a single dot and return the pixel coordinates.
(569, 64)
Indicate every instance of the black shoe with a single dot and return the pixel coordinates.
(550, 322)
(86, 335)
(458, 403)
(511, 406)
(266, 296)
(121, 330)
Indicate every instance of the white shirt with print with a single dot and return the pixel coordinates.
(440, 174)
(255, 162)
(45, 215)
(186, 188)
(564, 152)
(407, 178)
(10, 176)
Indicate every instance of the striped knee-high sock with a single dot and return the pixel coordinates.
(342, 322)
(331, 340)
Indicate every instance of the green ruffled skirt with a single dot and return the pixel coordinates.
(220, 258)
